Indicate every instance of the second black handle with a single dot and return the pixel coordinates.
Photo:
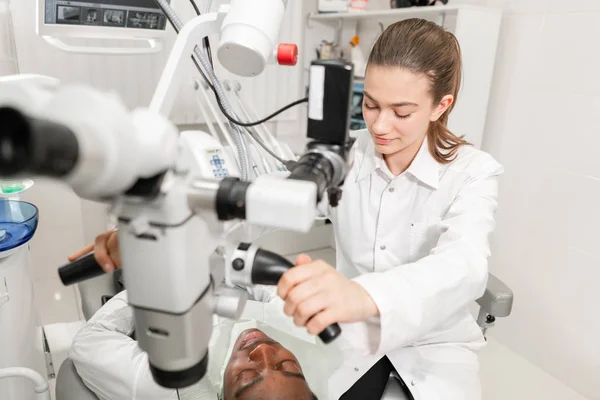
(82, 269)
(268, 268)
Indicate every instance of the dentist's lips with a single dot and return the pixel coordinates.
(381, 140)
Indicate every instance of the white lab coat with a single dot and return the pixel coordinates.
(418, 244)
(113, 366)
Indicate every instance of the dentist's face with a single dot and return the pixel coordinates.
(397, 108)
(260, 368)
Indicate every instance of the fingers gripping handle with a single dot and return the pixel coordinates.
(80, 270)
(267, 269)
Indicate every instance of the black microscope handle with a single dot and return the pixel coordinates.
(80, 270)
(268, 267)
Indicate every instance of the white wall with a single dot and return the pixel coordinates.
(543, 126)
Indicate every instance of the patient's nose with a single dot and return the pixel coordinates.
(264, 352)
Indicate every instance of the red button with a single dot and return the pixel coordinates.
(287, 54)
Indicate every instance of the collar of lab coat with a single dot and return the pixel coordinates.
(424, 167)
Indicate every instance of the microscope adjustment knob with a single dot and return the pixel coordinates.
(287, 54)
(238, 264)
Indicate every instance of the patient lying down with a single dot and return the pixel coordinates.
(111, 364)
(261, 368)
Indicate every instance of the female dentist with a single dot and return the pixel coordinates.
(411, 231)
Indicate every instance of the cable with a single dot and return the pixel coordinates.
(208, 51)
(209, 5)
(202, 73)
(205, 40)
(176, 29)
(195, 7)
(230, 86)
(262, 144)
(236, 131)
(262, 121)
(220, 95)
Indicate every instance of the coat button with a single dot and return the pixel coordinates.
(413, 383)
(383, 247)
(356, 369)
(392, 190)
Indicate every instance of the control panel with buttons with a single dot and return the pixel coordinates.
(217, 163)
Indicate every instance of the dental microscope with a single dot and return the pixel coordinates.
(181, 256)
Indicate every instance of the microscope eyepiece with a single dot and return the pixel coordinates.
(35, 146)
(15, 141)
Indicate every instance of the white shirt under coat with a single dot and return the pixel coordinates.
(418, 243)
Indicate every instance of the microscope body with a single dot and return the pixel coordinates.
(165, 251)
(181, 254)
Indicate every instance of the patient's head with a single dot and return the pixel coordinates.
(261, 368)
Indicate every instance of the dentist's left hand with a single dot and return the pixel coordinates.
(106, 251)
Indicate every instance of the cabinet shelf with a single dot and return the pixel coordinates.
(396, 13)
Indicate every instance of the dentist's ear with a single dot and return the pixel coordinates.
(441, 108)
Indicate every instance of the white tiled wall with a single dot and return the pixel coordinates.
(542, 125)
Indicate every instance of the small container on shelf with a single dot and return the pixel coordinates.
(328, 51)
(333, 6)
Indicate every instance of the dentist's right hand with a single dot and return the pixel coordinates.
(106, 251)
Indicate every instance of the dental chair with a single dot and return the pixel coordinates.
(495, 303)
(94, 293)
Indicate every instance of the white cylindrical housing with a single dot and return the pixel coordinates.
(20, 331)
(281, 203)
(249, 35)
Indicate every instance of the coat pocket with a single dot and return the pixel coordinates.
(424, 236)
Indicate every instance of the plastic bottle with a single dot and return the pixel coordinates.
(357, 57)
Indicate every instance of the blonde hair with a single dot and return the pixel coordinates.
(422, 47)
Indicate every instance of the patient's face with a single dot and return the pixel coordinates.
(260, 368)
